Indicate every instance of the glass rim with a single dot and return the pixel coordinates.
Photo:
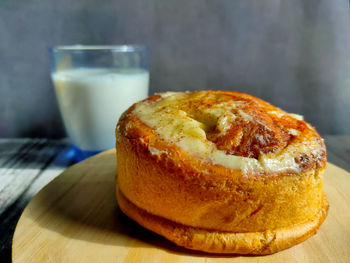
(119, 48)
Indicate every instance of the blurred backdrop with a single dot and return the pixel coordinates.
(294, 54)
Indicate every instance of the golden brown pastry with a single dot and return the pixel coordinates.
(221, 172)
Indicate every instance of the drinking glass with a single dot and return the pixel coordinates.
(94, 85)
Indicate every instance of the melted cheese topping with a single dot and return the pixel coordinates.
(175, 125)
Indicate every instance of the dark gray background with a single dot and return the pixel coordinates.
(293, 53)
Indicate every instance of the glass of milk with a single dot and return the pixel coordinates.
(94, 85)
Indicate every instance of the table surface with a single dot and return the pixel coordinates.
(27, 165)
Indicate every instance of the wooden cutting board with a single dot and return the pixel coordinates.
(75, 218)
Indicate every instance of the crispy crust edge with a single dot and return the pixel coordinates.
(254, 243)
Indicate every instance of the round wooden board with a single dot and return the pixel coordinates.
(75, 218)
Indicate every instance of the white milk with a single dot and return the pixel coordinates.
(91, 101)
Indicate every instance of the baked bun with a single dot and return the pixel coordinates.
(220, 172)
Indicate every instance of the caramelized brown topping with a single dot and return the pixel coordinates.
(243, 125)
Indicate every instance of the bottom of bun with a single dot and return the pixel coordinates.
(255, 243)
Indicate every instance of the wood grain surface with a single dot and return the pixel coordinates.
(75, 218)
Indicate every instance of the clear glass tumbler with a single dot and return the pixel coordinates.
(94, 85)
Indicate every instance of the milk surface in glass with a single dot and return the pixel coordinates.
(91, 101)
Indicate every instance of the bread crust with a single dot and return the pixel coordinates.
(254, 243)
(220, 200)
(166, 182)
